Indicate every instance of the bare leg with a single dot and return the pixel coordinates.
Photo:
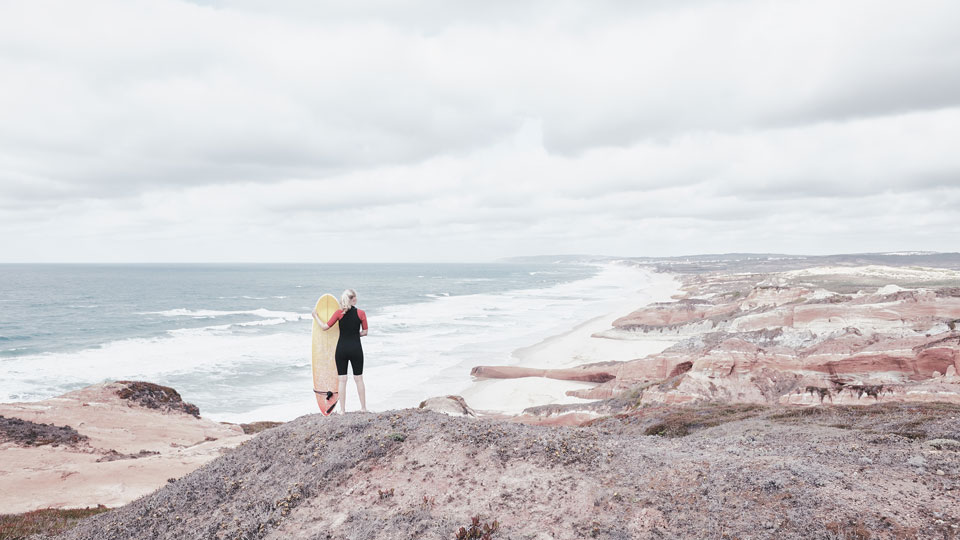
(362, 391)
(343, 393)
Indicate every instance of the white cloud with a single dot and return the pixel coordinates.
(242, 130)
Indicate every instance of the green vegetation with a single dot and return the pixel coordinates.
(910, 420)
(634, 394)
(476, 531)
(257, 427)
(684, 421)
(818, 390)
(852, 530)
(27, 433)
(154, 396)
(49, 521)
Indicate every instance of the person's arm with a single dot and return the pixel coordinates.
(326, 325)
(316, 317)
(363, 322)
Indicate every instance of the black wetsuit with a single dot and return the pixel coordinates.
(348, 346)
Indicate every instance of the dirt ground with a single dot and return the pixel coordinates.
(883, 471)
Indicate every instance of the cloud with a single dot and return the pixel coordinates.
(239, 130)
(759, 191)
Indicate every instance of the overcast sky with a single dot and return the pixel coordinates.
(306, 130)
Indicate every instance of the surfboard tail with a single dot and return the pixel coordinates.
(326, 401)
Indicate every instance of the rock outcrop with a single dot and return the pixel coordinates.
(452, 405)
(783, 339)
(104, 444)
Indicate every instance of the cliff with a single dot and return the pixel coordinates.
(104, 444)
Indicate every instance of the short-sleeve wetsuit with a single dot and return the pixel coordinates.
(348, 346)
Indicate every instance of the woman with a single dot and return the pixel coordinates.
(353, 326)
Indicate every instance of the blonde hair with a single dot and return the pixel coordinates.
(345, 299)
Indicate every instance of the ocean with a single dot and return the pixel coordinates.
(234, 339)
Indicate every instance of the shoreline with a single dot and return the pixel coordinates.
(574, 347)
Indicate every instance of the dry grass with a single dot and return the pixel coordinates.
(918, 421)
(910, 420)
(684, 421)
(49, 521)
(848, 531)
(257, 427)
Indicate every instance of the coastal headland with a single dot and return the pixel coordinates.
(853, 335)
(105, 444)
(768, 398)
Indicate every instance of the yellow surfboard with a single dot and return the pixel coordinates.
(324, 351)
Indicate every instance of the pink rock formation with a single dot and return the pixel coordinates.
(674, 314)
(598, 372)
(785, 344)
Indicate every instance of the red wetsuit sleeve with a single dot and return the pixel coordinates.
(363, 318)
(337, 315)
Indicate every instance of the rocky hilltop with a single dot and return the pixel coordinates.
(741, 471)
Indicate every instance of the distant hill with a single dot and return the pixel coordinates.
(760, 262)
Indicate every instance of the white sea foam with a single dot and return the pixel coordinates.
(197, 354)
(211, 313)
(235, 372)
(200, 330)
(266, 322)
(433, 345)
(221, 328)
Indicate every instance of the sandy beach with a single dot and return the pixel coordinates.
(577, 346)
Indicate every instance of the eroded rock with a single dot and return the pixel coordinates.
(777, 339)
(452, 405)
(154, 396)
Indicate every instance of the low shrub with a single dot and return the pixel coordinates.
(682, 422)
(48, 521)
(478, 531)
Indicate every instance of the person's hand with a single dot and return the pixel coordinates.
(322, 324)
